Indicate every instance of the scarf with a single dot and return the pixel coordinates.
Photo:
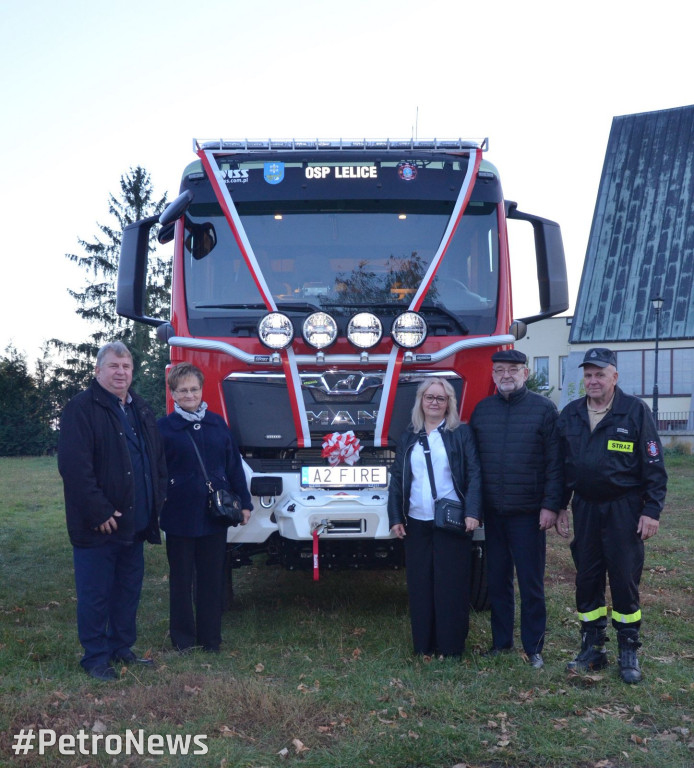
(198, 415)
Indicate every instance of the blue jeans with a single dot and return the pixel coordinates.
(108, 580)
(516, 540)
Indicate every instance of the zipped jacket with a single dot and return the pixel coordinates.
(465, 471)
(97, 471)
(621, 456)
(518, 444)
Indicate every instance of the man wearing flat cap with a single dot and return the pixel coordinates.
(522, 487)
(616, 482)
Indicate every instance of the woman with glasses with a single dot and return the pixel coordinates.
(195, 543)
(438, 561)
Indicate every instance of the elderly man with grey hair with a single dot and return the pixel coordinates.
(114, 479)
(616, 481)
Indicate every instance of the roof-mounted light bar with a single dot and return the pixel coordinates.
(318, 145)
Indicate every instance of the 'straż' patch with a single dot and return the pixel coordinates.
(618, 445)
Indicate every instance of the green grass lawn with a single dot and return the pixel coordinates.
(321, 674)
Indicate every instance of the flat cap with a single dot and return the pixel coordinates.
(509, 356)
(600, 356)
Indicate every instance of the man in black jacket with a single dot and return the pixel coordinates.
(614, 469)
(114, 478)
(522, 491)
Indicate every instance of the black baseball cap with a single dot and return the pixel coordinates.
(600, 356)
(509, 356)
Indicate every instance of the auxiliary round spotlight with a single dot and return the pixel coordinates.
(364, 330)
(319, 330)
(409, 330)
(275, 330)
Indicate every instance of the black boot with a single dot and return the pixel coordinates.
(592, 654)
(629, 669)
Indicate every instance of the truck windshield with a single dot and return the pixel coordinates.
(341, 255)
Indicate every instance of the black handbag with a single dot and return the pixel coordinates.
(224, 507)
(449, 514)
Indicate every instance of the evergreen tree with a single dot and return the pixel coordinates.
(96, 302)
(25, 411)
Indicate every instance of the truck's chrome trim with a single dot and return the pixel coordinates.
(212, 345)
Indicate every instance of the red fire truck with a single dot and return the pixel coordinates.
(316, 283)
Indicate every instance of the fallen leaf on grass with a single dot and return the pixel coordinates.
(99, 727)
(402, 712)
(299, 746)
(260, 667)
(192, 691)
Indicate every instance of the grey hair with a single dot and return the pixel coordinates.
(117, 347)
(452, 420)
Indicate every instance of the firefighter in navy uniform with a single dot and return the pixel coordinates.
(614, 469)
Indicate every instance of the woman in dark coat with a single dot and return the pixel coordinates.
(196, 544)
(438, 562)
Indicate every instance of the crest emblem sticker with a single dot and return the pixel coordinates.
(407, 171)
(274, 172)
(652, 449)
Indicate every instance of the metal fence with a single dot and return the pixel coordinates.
(672, 421)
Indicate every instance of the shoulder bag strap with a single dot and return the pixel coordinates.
(202, 466)
(427, 456)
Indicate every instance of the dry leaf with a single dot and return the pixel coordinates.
(402, 712)
(299, 746)
(193, 691)
(259, 667)
(99, 727)
(283, 752)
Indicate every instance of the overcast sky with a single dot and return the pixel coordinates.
(90, 89)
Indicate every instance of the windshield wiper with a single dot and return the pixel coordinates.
(286, 306)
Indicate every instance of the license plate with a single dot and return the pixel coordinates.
(344, 477)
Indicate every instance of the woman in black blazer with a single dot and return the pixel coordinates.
(195, 543)
(438, 562)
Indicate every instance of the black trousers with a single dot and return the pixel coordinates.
(438, 585)
(202, 556)
(516, 541)
(606, 544)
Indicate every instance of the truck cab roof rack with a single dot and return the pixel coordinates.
(317, 145)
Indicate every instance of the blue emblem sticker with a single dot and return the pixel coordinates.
(407, 171)
(274, 172)
(652, 449)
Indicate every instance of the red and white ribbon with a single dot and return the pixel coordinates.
(341, 448)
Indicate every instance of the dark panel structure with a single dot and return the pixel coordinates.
(642, 238)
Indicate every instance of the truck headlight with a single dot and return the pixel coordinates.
(275, 330)
(364, 330)
(409, 330)
(320, 330)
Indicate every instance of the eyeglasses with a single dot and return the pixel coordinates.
(440, 399)
(191, 391)
(513, 371)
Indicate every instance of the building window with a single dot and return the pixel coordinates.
(562, 369)
(630, 366)
(675, 371)
(541, 371)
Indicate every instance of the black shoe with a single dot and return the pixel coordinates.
(592, 655)
(493, 652)
(130, 658)
(629, 669)
(106, 672)
(536, 661)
